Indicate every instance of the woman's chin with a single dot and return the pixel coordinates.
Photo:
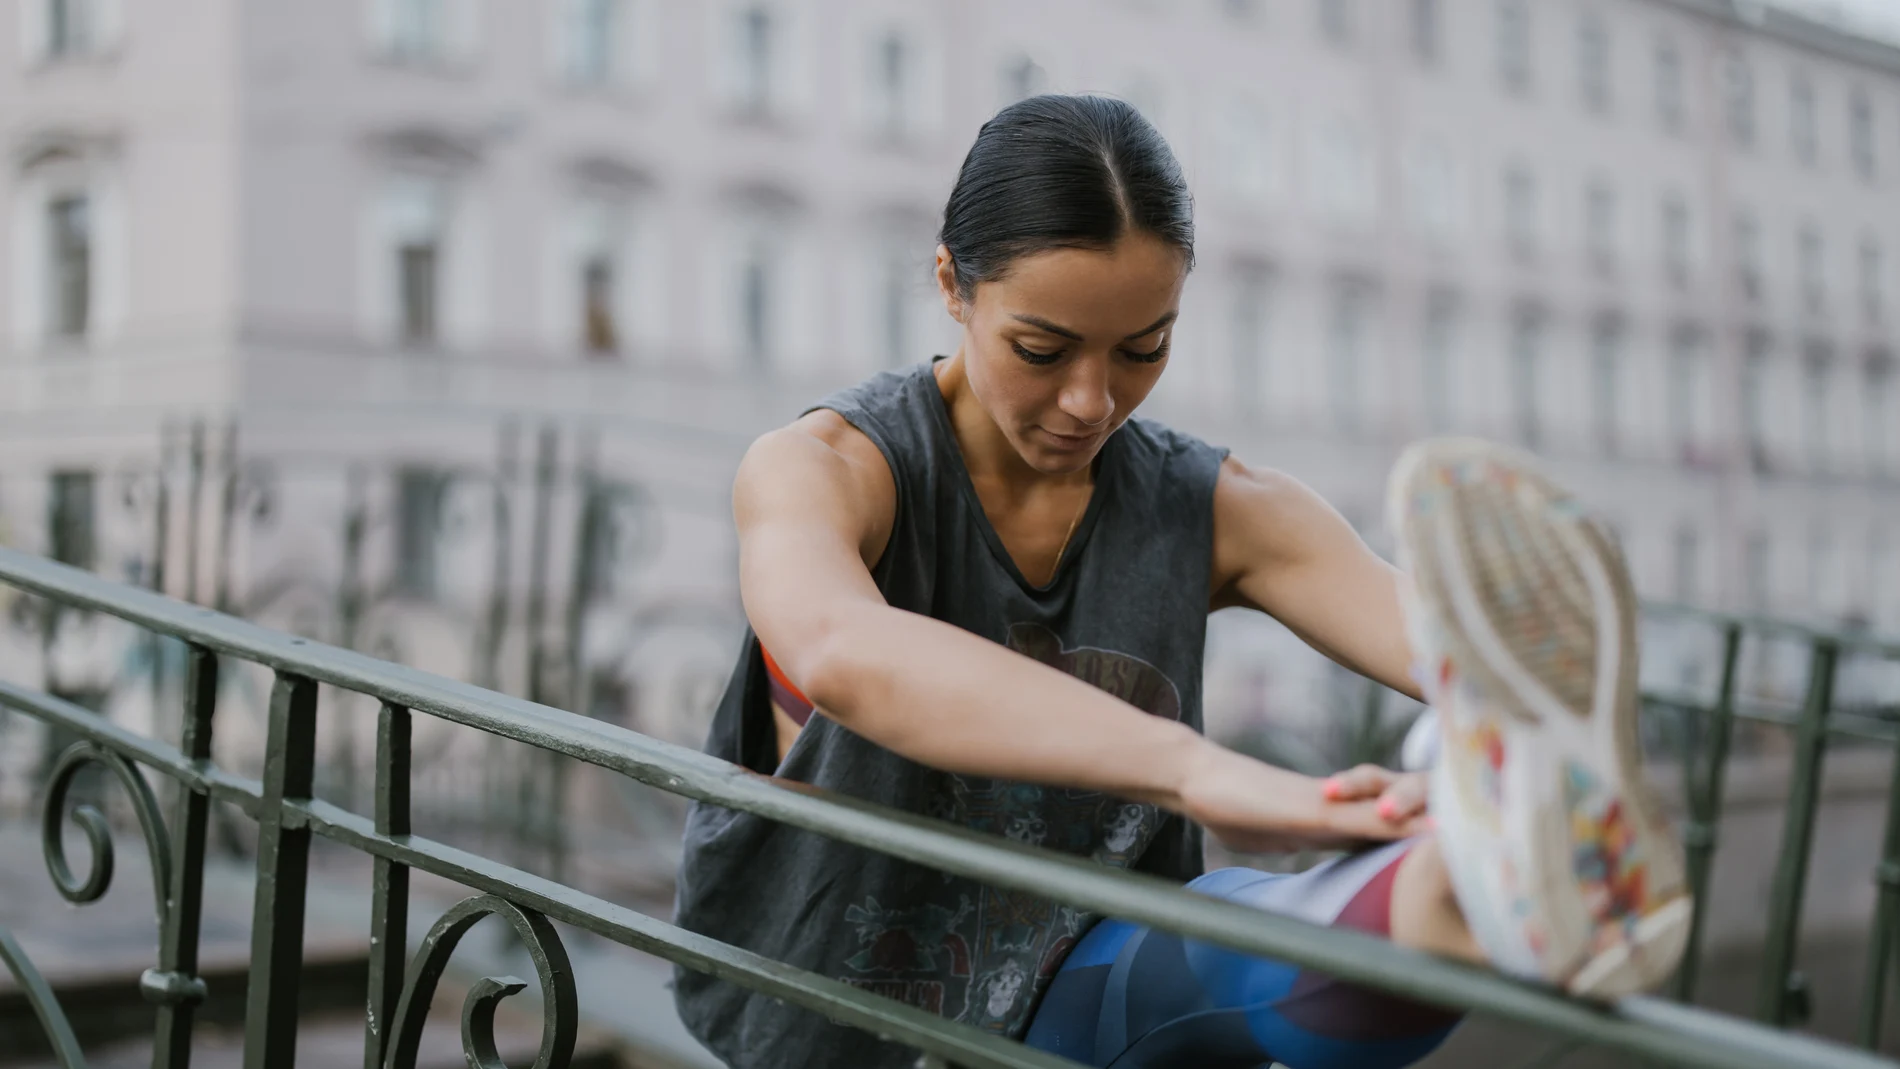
(1059, 462)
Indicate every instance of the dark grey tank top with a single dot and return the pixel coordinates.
(1126, 611)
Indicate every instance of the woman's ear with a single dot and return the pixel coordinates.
(947, 285)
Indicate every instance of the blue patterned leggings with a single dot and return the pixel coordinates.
(1134, 998)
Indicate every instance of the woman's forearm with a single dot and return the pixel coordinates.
(946, 698)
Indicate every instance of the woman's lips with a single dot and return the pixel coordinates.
(1070, 441)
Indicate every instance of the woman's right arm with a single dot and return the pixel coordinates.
(814, 504)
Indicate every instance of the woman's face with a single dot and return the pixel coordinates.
(1062, 348)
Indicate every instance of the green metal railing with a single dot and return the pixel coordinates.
(1782, 994)
(288, 818)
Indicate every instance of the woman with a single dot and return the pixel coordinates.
(978, 590)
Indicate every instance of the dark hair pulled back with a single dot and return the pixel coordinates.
(1058, 171)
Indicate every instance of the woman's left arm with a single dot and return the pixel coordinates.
(1280, 548)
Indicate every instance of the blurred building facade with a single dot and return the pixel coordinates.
(1653, 240)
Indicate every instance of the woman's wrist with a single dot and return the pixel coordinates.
(1171, 762)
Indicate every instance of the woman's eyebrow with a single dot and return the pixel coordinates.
(1157, 325)
(1043, 324)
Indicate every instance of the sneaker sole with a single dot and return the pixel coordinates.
(1534, 604)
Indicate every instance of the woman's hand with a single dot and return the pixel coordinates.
(1398, 796)
(1253, 807)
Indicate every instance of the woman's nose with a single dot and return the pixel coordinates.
(1085, 396)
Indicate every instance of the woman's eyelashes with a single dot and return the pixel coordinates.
(1041, 359)
(1034, 357)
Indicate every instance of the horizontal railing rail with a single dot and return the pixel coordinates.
(288, 817)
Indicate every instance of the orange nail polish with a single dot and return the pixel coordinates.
(1329, 788)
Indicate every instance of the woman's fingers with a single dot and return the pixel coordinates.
(1357, 784)
(1404, 798)
(1399, 797)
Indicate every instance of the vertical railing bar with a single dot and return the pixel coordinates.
(161, 548)
(1705, 808)
(1797, 835)
(389, 902)
(178, 985)
(532, 827)
(283, 871)
(1881, 952)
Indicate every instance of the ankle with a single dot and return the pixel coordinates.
(1425, 910)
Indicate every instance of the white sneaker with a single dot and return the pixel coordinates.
(1521, 614)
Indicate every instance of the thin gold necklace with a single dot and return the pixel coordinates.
(1070, 533)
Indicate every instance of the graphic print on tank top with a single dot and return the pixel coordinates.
(986, 962)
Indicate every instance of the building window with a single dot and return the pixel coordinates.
(1739, 81)
(1879, 595)
(758, 299)
(1813, 268)
(1600, 224)
(754, 45)
(1335, 20)
(600, 333)
(1433, 188)
(1437, 373)
(1593, 61)
(1860, 122)
(1760, 559)
(592, 28)
(1816, 388)
(1802, 131)
(418, 280)
(891, 63)
(1243, 149)
(1520, 210)
(69, 265)
(421, 494)
(1606, 370)
(1689, 393)
(418, 30)
(1351, 309)
(1872, 278)
(1527, 376)
(1877, 413)
(70, 534)
(1827, 586)
(1675, 235)
(1346, 173)
(597, 257)
(70, 27)
(1514, 44)
(1668, 85)
(898, 273)
(1023, 78)
(1688, 564)
(1755, 400)
(1748, 265)
(1428, 41)
(415, 218)
(1249, 337)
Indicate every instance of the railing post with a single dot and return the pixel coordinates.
(1797, 835)
(175, 984)
(1881, 951)
(283, 871)
(1705, 808)
(389, 894)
